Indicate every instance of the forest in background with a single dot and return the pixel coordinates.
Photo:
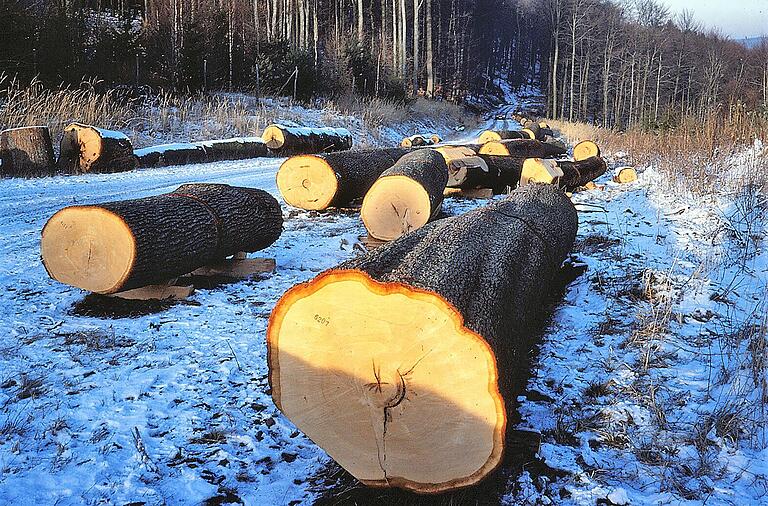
(614, 64)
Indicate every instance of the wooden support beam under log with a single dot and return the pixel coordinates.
(401, 363)
(26, 152)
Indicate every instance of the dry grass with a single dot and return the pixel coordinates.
(694, 152)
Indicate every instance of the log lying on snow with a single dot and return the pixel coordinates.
(495, 172)
(333, 179)
(304, 140)
(86, 148)
(420, 140)
(584, 150)
(238, 148)
(500, 135)
(406, 196)
(400, 363)
(522, 148)
(564, 173)
(26, 152)
(625, 175)
(117, 246)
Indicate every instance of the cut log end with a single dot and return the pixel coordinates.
(625, 175)
(584, 150)
(394, 206)
(273, 137)
(416, 391)
(489, 136)
(538, 170)
(494, 148)
(530, 133)
(88, 247)
(307, 182)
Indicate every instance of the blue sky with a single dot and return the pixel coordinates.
(736, 18)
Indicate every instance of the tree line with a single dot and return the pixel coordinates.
(612, 63)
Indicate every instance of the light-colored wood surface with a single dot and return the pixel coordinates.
(393, 206)
(387, 380)
(469, 193)
(88, 247)
(488, 136)
(273, 137)
(493, 148)
(237, 268)
(159, 292)
(540, 170)
(625, 175)
(584, 150)
(307, 182)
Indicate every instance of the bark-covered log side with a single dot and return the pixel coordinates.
(579, 173)
(428, 168)
(26, 152)
(69, 153)
(174, 235)
(503, 172)
(529, 148)
(115, 153)
(116, 156)
(299, 140)
(201, 152)
(494, 264)
(356, 171)
(511, 134)
(174, 154)
(249, 219)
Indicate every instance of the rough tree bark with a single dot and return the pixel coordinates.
(303, 140)
(86, 148)
(522, 148)
(26, 152)
(406, 196)
(401, 363)
(333, 179)
(201, 152)
(117, 246)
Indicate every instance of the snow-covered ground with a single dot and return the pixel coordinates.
(650, 384)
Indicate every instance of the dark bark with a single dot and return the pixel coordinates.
(114, 155)
(503, 172)
(428, 168)
(201, 152)
(26, 152)
(579, 173)
(494, 264)
(529, 148)
(511, 134)
(299, 140)
(356, 171)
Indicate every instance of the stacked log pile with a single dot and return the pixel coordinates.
(118, 246)
(26, 152)
(303, 140)
(399, 363)
(420, 140)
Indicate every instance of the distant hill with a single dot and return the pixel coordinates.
(752, 41)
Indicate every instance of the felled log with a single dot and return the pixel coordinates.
(304, 140)
(521, 148)
(406, 196)
(496, 173)
(625, 175)
(333, 179)
(401, 364)
(564, 173)
(533, 130)
(584, 150)
(420, 140)
(86, 148)
(117, 246)
(238, 148)
(26, 152)
(500, 135)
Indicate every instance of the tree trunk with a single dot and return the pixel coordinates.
(118, 246)
(201, 152)
(403, 363)
(500, 135)
(420, 140)
(333, 179)
(564, 173)
(26, 152)
(497, 173)
(430, 55)
(522, 148)
(86, 148)
(302, 140)
(406, 196)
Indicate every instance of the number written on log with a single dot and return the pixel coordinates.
(322, 320)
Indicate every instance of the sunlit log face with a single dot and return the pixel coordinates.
(388, 381)
(308, 182)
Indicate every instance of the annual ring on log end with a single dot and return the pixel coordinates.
(307, 181)
(88, 247)
(394, 206)
(387, 380)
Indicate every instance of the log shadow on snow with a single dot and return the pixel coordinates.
(95, 305)
(338, 487)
